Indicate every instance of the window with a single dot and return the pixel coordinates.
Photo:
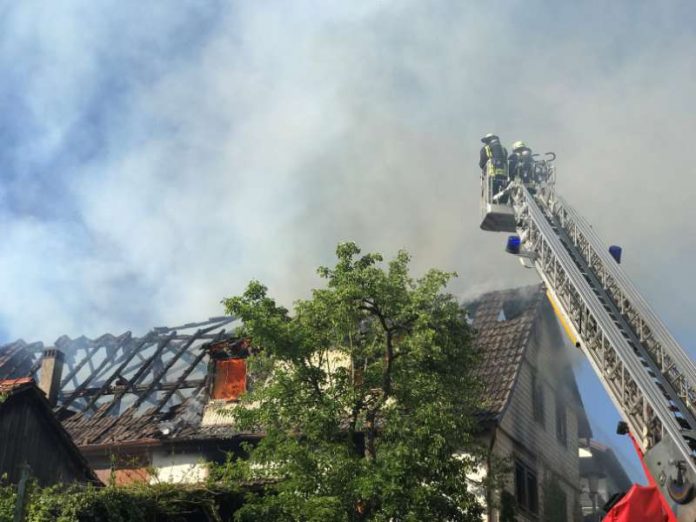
(538, 400)
(526, 488)
(561, 423)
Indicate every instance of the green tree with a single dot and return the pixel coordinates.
(365, 395)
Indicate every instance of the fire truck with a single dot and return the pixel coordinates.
(646, 373)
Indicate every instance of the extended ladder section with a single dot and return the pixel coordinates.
(646, 373)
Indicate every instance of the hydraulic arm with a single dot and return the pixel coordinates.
(646, 373)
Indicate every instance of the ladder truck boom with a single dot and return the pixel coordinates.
(647, 374)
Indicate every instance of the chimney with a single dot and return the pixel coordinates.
(51, 372)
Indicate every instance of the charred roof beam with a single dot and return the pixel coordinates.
(141, 390)
(183, 349)
(90, 352)
(130, 354)
(131, 383)
(178, 383)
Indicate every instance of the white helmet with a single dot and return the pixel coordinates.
(520, 146)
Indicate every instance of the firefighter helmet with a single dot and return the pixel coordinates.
(519, 145)
(489, 137)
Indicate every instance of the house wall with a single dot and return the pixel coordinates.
(520, 436)
(150, 464)
(182, 461)
(27, 435)
(123, 476)
(178, 468)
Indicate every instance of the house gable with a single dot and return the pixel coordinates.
(30, 434)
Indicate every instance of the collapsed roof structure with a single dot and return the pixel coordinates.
(117, 389)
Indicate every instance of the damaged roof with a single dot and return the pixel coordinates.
(123, 388)
(503, 321)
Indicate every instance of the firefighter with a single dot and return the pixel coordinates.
(493, 162)
(521, 162)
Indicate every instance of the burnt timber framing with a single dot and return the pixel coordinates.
(116, 387)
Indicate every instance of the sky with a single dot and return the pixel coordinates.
(155, 159)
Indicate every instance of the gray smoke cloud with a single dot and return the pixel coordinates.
(182, 152)
(154, 158)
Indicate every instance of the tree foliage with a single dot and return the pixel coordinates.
(132, 503)
(365, 395)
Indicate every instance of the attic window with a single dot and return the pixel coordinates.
(501, 315)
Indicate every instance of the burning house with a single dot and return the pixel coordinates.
(143, 408)
(532, 414)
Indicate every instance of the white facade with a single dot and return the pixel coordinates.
(178, 468)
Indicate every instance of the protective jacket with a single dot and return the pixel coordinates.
(513, 162)
(521, 164)
(497, 155)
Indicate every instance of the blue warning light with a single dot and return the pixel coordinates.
(513, 245)
(615, 252)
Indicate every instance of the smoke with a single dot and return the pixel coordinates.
(154, 159)
(189, 413)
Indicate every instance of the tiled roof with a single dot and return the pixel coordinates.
(202, 433)
(148, 428)
(503, 321)
(12, 385)
(113, 429)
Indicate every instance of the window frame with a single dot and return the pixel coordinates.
(526, 488)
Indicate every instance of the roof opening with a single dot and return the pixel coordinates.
(512, 309)
(471, 310)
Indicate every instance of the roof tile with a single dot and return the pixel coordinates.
(502, 343)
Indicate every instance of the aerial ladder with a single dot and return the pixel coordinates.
(646, 373)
